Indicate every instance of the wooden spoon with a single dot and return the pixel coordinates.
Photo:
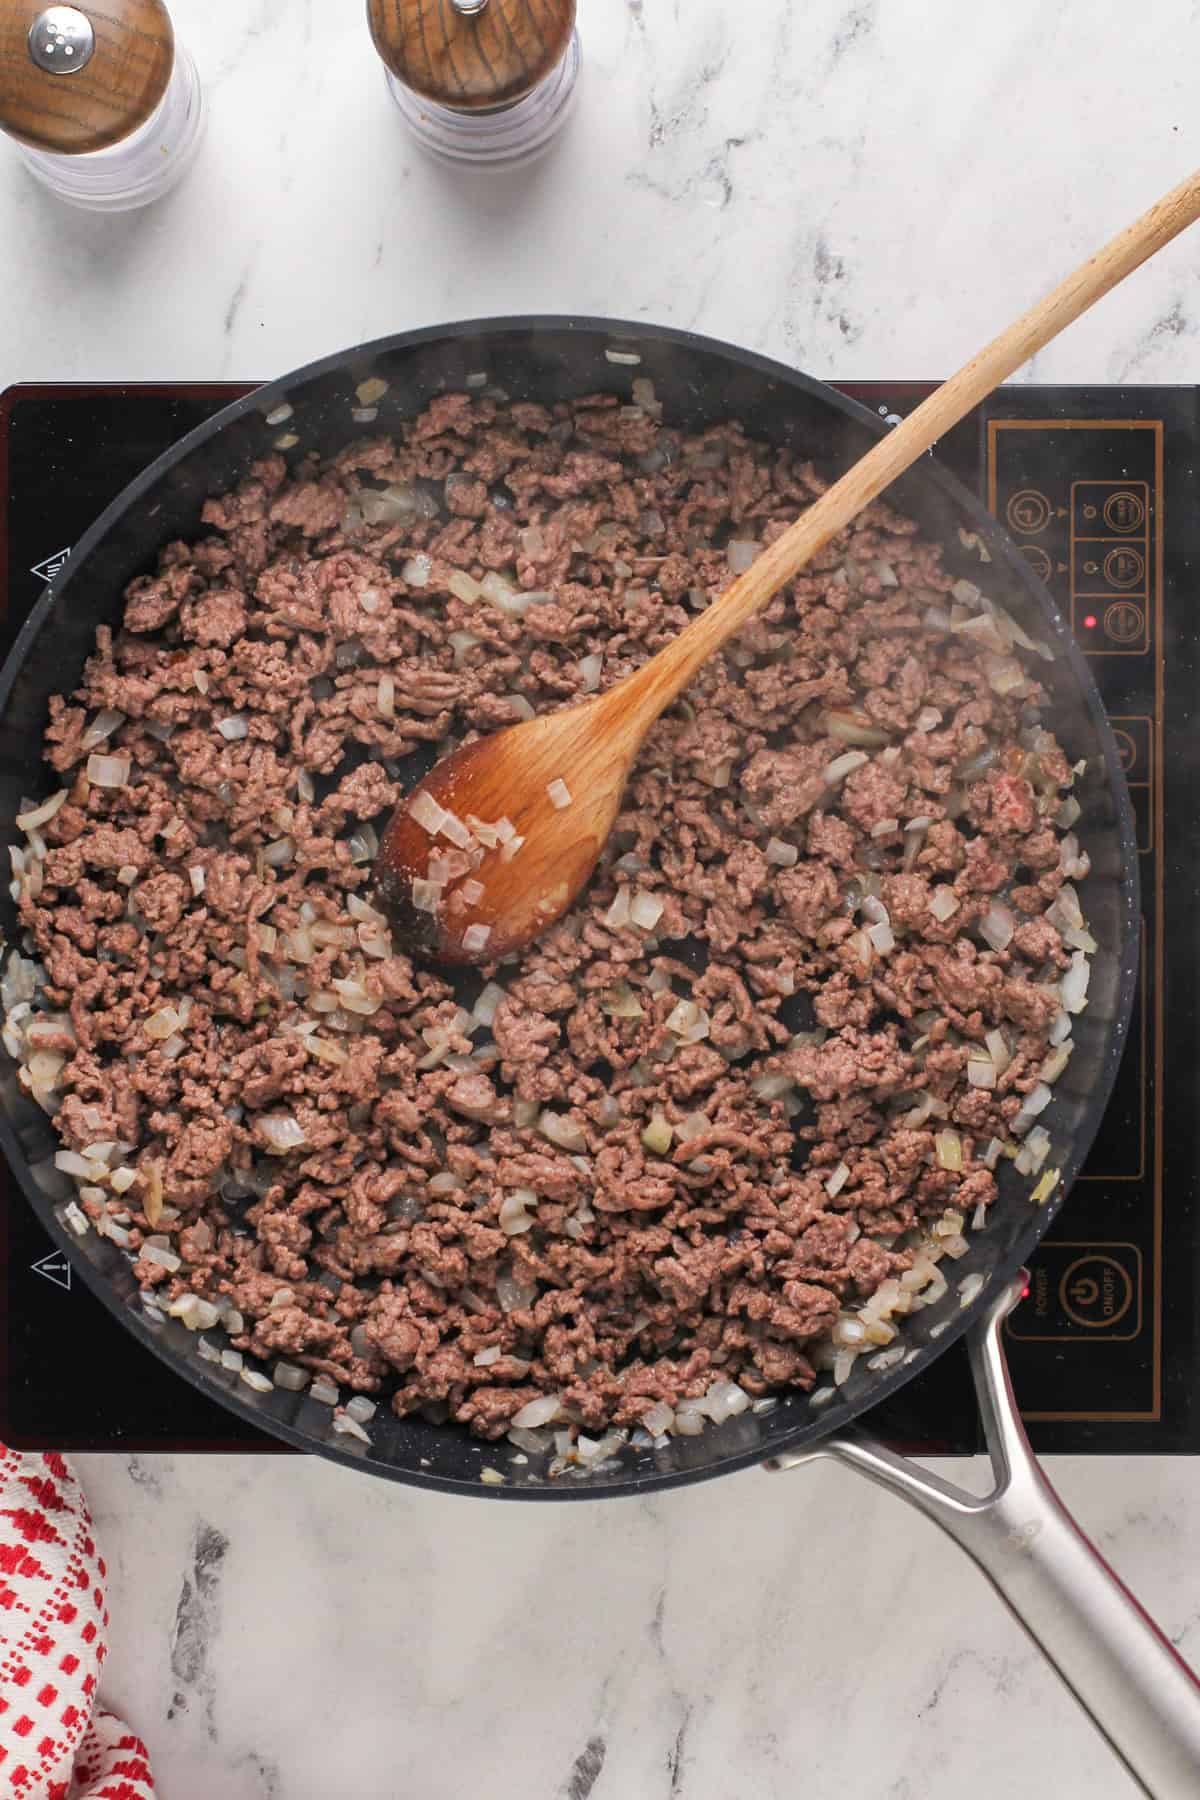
(583, 754)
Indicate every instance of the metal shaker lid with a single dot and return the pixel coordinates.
(471, 54)
(79, 78)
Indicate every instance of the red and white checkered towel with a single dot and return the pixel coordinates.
(56, 1743)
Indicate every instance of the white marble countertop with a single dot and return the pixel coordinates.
(864, 190)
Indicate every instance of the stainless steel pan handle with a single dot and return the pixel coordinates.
(1138, 1692)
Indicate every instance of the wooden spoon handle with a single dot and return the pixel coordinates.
(652, 688)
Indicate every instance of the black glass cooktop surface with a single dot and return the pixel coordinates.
(1097, 485)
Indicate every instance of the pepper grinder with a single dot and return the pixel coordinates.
(103, 105)
(480, 83)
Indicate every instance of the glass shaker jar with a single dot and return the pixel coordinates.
(103, 105)
(480, 83)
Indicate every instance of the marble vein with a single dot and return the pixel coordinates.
(196, 1621)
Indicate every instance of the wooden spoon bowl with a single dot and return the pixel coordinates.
(505, 780)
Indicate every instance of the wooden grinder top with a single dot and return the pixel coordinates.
(471, 54)
(75, 79)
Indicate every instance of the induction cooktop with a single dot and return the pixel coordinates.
(1097, 486)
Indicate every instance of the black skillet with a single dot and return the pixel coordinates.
(699, 382)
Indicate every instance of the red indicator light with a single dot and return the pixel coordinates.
(1091, 621)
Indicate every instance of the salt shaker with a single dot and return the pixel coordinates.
(480, 83)
(102, 103)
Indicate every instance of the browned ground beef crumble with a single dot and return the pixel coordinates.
(647, 1273)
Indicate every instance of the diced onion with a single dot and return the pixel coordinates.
(356, 997)
(841, 766)
(1005, 675)
(1056, 1062)
(622, 1003)
(998, 1050)
(513, 1218)
(943, 903)
(282, 1131)
(71, 1163)
(646, 910)
(41, 815)
(619, 912)
(385, 700)
(453, 828)
(657, 1135)
(106, 721)
(426, 895)
(561, 1130)
(981, 1070)
(109, 771)
(688, 1021)
(837, 1180)
(740, 553)
(163, 1023)
(853, 728)
(1075, 984)
(997, 926)
(589, 671)
(233, 727)
(863, 948)
(464, 586)
(502, 593)
(1036, 1147)
(488, 1004)
(475, 938)
(363, 844)
(560, 794)
(425, 810)
(948, 1150)
(162, 1259)
(1036, 1101)
(416, 571)
(542, 1411)
(784, 856)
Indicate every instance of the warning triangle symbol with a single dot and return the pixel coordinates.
(55, 1267)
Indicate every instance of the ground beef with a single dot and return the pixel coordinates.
(669, 1156)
